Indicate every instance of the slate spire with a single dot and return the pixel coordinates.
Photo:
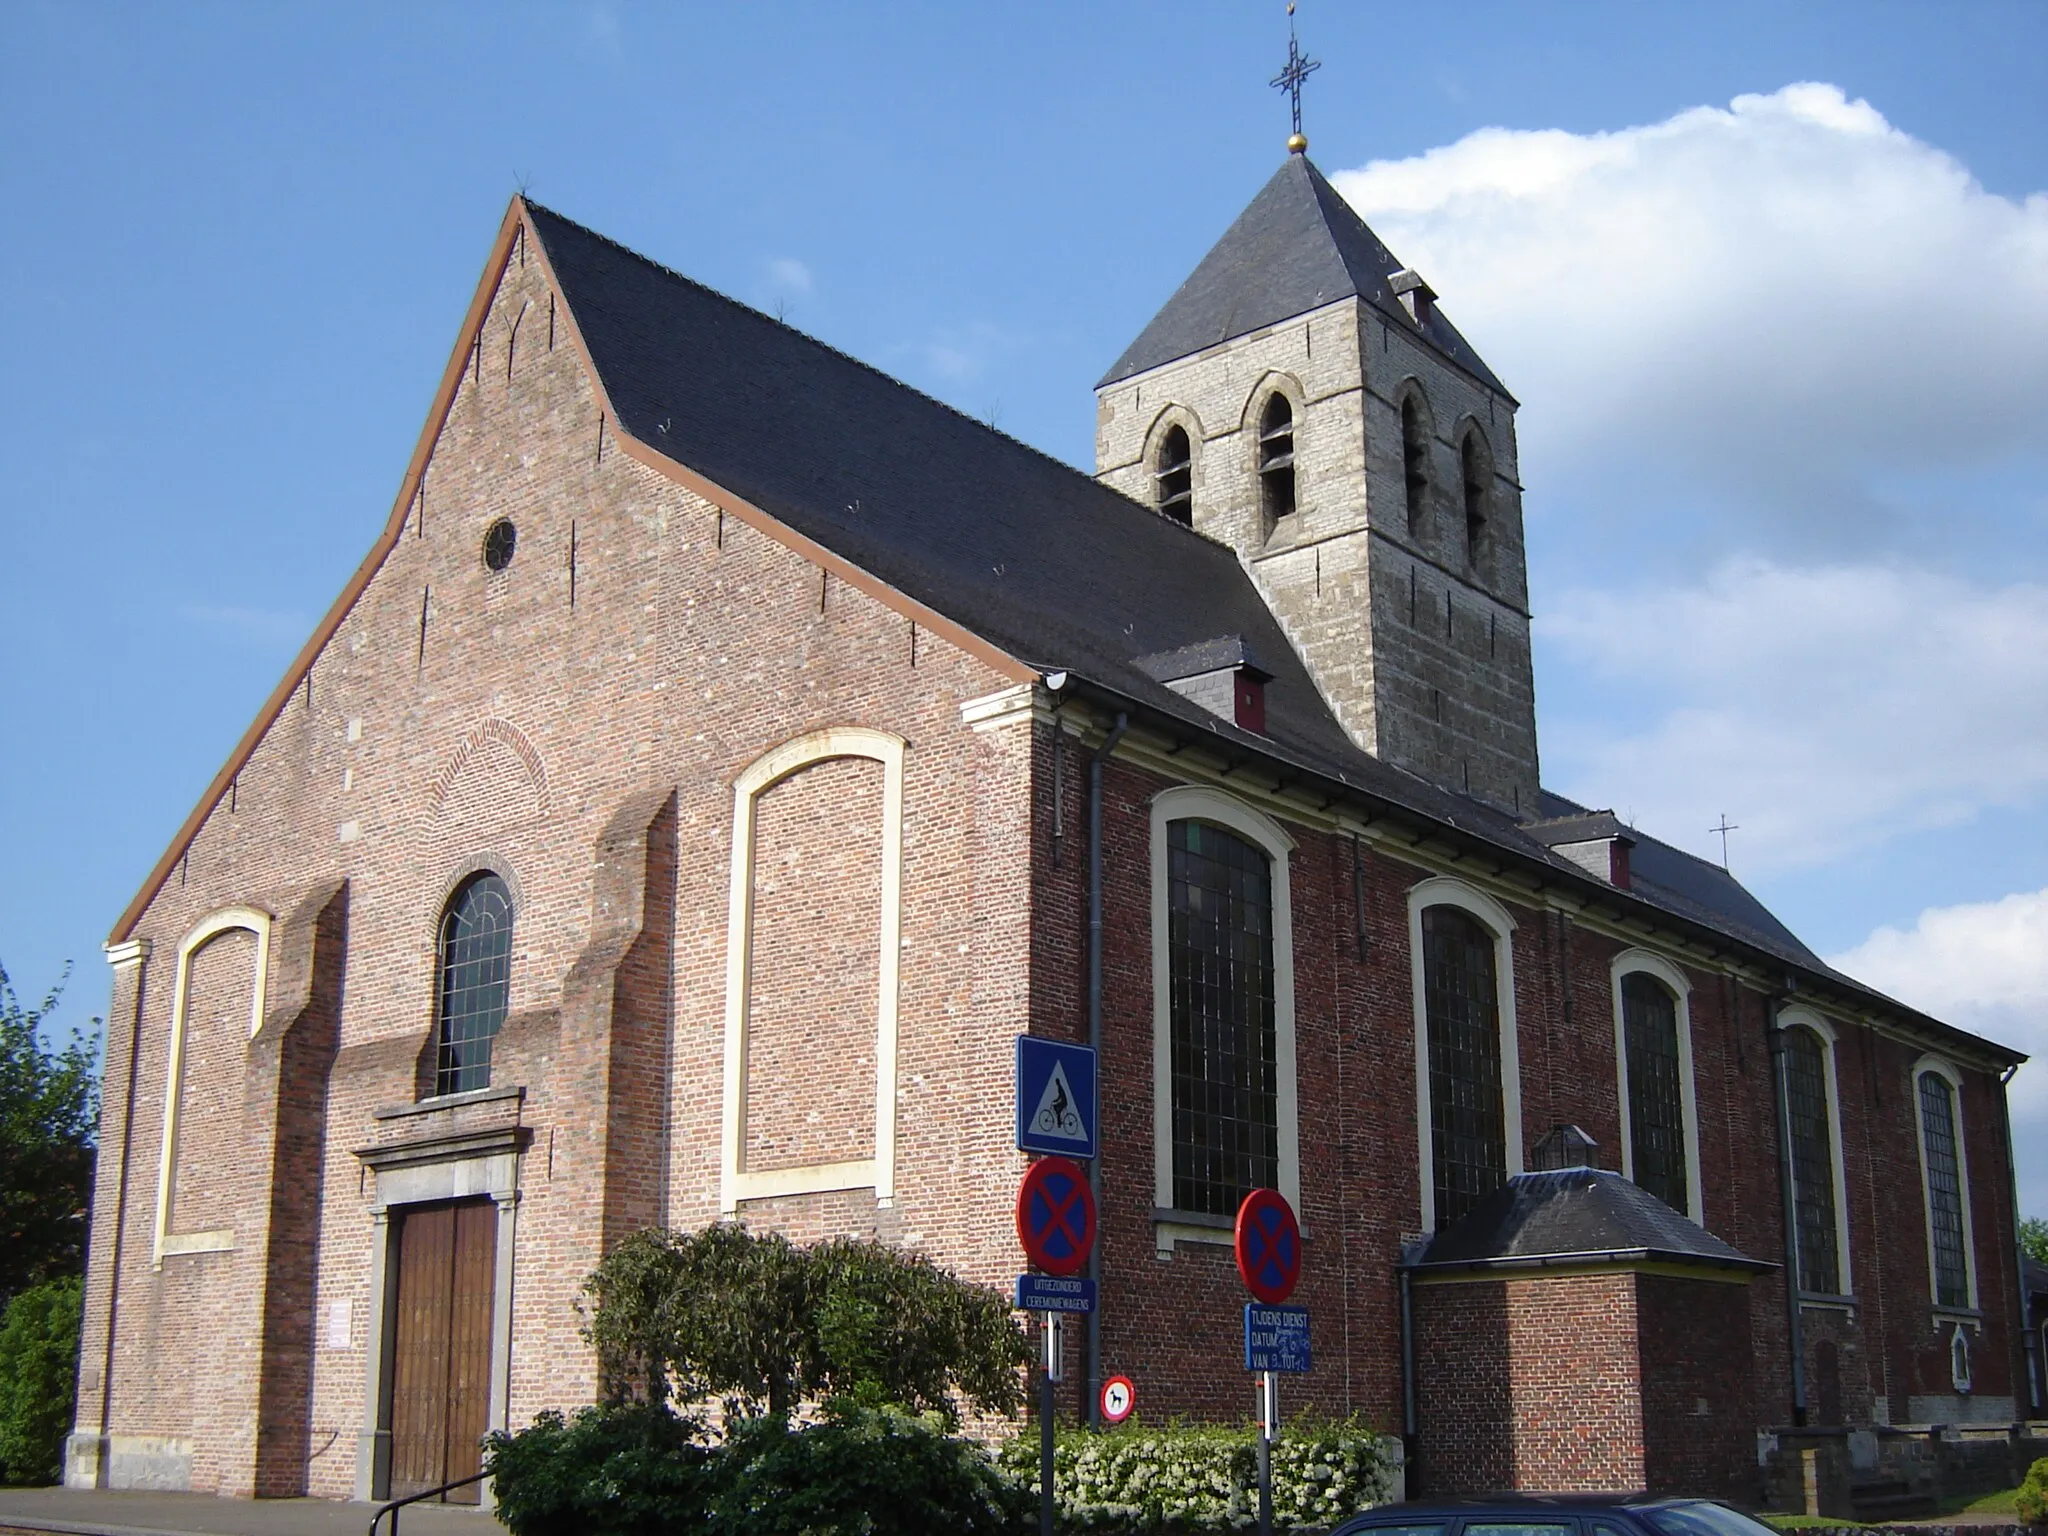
(1295, 248)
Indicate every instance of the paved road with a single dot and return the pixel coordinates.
(76, 1512)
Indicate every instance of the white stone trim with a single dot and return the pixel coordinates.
(1947, 1071)
(879, 1172)
(226, 920)
(1006, 706)
(1631, 961)
(1444, 891)
(1800, 1017)
(130, 952)
(1194, 802)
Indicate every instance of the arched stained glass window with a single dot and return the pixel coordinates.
(1813, 1162)
(1467, 1124)
(1226, 1124)
(1174, 476)
(1656, 1104)
(476, 981)
(1944, 1190)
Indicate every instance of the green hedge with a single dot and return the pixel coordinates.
(38, 1370)
(2031, 1502)
(1204, 1478)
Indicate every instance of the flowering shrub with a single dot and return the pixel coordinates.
(1206, 1478)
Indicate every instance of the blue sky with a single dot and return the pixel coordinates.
(1770, 281)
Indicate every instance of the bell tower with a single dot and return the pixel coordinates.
(1302, 399)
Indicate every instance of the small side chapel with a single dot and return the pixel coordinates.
(726, 752)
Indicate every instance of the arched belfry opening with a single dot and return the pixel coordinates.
(1276, 461)
(1173, 476)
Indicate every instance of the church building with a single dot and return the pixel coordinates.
(726, 752)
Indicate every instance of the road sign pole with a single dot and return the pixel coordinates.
(1049, 1326)
(1269, 1421)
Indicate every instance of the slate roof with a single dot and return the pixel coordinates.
(1029, 553)
(1297, 247)
(1585, 1214)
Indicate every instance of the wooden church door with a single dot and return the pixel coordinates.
(441, 1359)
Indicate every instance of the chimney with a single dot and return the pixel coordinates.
(1220, 675)
(1416, 296)
(1597, 841)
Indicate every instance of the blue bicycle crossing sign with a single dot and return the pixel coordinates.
(1055, 1097)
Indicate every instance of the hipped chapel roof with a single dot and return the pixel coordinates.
(1295, 248)
(1577, 1215)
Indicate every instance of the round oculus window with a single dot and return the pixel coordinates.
(499, 542)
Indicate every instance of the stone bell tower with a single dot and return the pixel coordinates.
(1302, 399)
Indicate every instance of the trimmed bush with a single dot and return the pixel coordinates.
(38, 1373)
(1206, 1478)
(862, 1471)
(2031, 1502)
(626, 1470)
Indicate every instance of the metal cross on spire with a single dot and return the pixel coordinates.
(1289, 80)
(1724, 829)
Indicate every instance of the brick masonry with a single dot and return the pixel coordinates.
(576, 723)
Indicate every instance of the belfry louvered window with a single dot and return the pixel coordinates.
(1226, 1129)
(1467, 1135)
(1472, 463)
(476, 982)
(1656, 1103)
(1276, 459)
(1173, 478)
(1414, 462)
(1813, 1162)
(1944, 1190)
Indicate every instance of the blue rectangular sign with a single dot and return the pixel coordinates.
(1055, 1097)
(1275, 1338)
(1051, 1293)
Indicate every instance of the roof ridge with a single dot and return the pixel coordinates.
(862, 363)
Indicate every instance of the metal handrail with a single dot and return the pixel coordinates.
(396, 1505)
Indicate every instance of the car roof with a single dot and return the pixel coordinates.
(1518, 1503)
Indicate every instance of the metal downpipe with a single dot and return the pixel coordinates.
(1774, 1037)
(1092, 1375)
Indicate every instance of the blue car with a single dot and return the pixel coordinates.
(1557, 1514)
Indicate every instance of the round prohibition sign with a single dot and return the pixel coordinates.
(1119, 1397)
(1056, 1215)
(1268, 1246)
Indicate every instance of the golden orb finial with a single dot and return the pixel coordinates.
(1297, 143)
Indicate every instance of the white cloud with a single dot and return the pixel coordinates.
(788, 275)
(1786, 304)
(1983, 966)
(1825, 709)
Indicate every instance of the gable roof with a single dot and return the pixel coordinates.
(1296, 247)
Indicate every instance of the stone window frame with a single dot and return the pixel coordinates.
(1644, 962)
(878, 1172)
(1798, 1016)
(1169, 417)
(1251, 426)
(1198, 802)
(1943, 1068)
(253, 920)
(1441, 891)
(1415, 516)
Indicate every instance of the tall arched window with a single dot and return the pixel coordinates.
(1173, 476)
(1473, 462)
(1656, 1098)
(476, 981)
(1941, 1166)
(1224, 1050)
(1414, 461)
(1808, 1106)
(1276, 459)
(1467, 1124)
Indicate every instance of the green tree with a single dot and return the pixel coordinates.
(2034, 1239)
(49, 1110)
(38, 1367)
(755, 1320)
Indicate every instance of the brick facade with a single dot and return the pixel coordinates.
(576, 723)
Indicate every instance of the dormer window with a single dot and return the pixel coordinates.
(1276, 460)
(1477, 472)
(1173, 477)
(1414, 462)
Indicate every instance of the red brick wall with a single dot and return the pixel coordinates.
(1699, 1410)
